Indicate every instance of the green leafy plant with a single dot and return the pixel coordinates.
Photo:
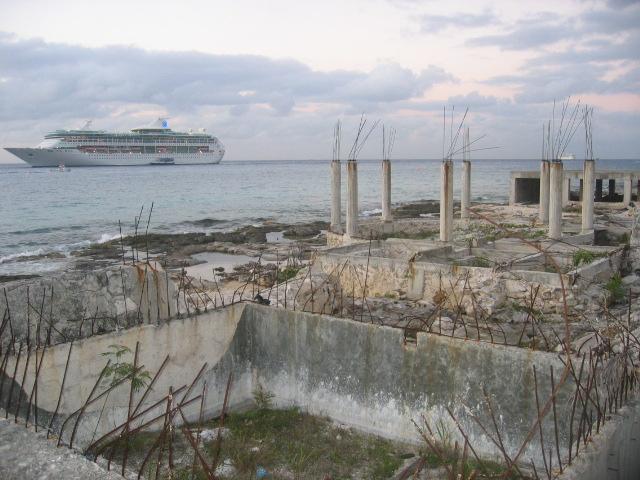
(583, 257)
(119, 369)
(262, 397)
(615, 289)
(287, 273)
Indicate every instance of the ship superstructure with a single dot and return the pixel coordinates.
(155, 144)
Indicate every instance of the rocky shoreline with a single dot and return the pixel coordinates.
(175, 250)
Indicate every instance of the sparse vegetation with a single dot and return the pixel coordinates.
(263, 398)
(287, 273)
(615, 290)
(583, 257)
(481, 262)
(287, 444)
(119, 369)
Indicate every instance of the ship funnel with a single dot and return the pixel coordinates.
(162, 123)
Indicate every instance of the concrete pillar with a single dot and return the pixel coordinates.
(352, 198)
(626, 199)
(581, 189)
(566, 191)
(446, 201)
(543, 213)
(336, 200)
(599, 190)
(386, 191)
(612, 188)
(555, 200)
(588, 174)
(465, 197)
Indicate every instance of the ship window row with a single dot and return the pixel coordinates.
(127, 140)
(144, 149)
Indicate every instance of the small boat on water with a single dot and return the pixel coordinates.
(568, 156)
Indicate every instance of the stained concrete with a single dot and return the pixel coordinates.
(336, 197)
(352, 198)
(446, 201)
(521, 189)
(27, 455)
(612, 454)
(359, 374)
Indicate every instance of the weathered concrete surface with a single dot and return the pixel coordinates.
(189, 343)
(465, 194)
(81, 303)
(629, 178)
(27, 455)
(544, 192)
(555, 201)
(613, 453)
(588, 195)
(364, 375)
(386, 191)
(352, 198)
(336, 197)
(359, 374)
(413, 267)
(446, 201)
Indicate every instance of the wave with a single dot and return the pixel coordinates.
(15, 256)
(108, 237)
(371, 213)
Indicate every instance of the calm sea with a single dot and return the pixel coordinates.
(44, 211)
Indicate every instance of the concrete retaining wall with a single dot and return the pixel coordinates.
(359, 374)
(613, 453)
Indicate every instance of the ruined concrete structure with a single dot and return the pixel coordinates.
(465, 195)
(446, 200)
(386, 191)
(352, 198)
(525, 186)
(555, 200)
(336, 197)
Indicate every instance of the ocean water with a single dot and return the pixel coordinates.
(44, 211)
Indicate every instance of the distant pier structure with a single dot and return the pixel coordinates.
(611, 186)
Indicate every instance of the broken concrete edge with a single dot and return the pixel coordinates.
(29, 455)
(612, 451)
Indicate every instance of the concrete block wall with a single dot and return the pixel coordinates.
(359, 374)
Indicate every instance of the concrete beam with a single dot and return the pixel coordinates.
(556, 196)
(336, 197)
(386, 191)
(588, 195)
(446, 201)
(352, 198)
(543, 213)
(465, 197)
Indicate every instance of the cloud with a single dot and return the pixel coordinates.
(436, 23)
(43, 79)
(540, 30)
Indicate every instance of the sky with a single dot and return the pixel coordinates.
(270, 79)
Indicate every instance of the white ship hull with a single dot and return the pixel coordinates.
(41, 157)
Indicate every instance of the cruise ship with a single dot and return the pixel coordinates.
(155, 144)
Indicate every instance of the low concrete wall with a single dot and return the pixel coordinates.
(189, 343)
(613, 453)
(363, 375)
(360, 374)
